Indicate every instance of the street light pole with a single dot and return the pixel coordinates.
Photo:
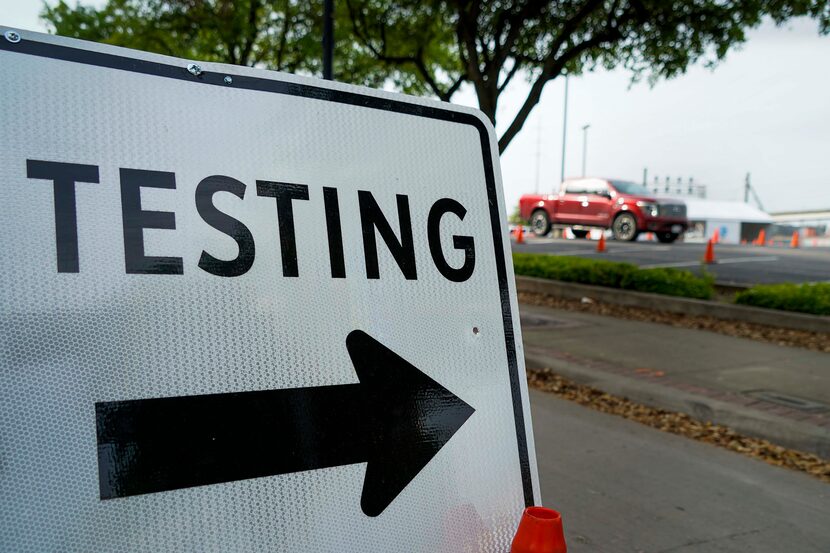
(564, 131)
(584, 146)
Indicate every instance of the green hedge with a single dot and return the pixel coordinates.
(671, 282)
(806, 298)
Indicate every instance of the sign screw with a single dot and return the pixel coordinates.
(194, 69)
(12, 36)
(228, 79)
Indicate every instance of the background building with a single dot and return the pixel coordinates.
(733, 221)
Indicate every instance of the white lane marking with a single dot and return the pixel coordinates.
(671, 265)
(541, 240)
(572, 252)
(717, 262)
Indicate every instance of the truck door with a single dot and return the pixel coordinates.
(598, 210)
(573, 198)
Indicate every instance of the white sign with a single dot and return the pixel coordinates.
(249, 311)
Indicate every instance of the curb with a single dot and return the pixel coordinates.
(802, 436)
(686, 306)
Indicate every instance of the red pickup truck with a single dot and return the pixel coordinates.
(625, 207)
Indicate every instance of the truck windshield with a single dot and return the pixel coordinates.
(628, 187)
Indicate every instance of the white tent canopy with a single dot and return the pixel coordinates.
(708, 210)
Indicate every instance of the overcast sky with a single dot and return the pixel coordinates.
(764, 110)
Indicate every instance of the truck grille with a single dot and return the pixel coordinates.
(673, 210)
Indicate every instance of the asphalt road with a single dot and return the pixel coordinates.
(625, 487)
(740, 265)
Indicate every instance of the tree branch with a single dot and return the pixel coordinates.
(465, 34)
(416, 60)
(549, 73)
(287, 22)
(513, 70)
(502, 50)
(555, 63)
(454, 87)
(253, 32)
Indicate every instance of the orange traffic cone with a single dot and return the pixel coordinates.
(709, 257)
(540, 531)
(520, 235)
(762, 238)
(601, 243)
(794, 240)
(716, 236)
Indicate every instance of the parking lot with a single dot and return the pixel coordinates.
(740, 265)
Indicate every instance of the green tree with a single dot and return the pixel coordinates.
(278, 34)
(515, 217)
(436, 46)
(283, 35)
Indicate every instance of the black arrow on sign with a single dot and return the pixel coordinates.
(396, 419)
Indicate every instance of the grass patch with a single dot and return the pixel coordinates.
(804, 298)
(670, 282)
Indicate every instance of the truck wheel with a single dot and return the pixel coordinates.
(540, 222)
(624, 227)
(580, 233)
(667, 237)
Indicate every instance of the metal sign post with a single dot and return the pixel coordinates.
(328, 39)
(249, 311)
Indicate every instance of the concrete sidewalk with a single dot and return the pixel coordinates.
(622, 486)
(760, 389)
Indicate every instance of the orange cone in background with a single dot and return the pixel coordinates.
(716, 236)
(540, 531)
(794, 241)
(520, 234)
(709, 257)
(601, 243)
(762, 238)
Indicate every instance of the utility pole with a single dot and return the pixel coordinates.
(328, 39)
(564, 130)
(645, 176)
(747, 190)
(584, 146)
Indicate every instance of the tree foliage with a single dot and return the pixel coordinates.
(434, 47)
(278, 34)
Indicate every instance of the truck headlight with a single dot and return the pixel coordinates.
(649, 208)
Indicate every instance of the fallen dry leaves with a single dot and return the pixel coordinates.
(679, 423)
(816, 341)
